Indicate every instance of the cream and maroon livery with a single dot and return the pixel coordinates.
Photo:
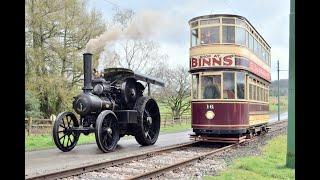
(236, 115)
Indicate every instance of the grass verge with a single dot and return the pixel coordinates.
(270, 165)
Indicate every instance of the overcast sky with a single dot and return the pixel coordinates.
(269, 17)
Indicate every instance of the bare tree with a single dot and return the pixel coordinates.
(176, 94)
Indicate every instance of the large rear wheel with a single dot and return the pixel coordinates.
(63, 135)
(107, 131)
(148, 128)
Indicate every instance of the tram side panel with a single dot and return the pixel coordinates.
(259, 114)
(220, 118)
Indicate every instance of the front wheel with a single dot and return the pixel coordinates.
(63, 135)
(107, 131)
(148, 128)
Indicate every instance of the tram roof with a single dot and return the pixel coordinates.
(227, 15)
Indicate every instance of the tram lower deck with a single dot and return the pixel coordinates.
(233, 117)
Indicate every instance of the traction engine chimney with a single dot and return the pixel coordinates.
(87, 70)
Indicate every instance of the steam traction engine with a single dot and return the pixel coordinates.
(110, 106)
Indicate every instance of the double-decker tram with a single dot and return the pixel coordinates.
(230, 68)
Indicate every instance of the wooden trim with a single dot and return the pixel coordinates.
(226, 126)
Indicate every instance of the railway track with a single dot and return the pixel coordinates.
(140, 166)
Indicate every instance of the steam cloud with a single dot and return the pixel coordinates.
(144, 24)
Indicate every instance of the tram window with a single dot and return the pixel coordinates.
(251, 91)
(228, 21)
(255, 46)
(209, 21)
(251, 42)
(228, 85)
(259, 94)
(240, 36)
(241, 85)
(240, 22)
(194, 37)
(194, 24)
(211, 86)
(210, 35)
(195, 86)
(254, 88)
(247, 39)
(228, 34)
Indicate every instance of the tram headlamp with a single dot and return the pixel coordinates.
(210, 115)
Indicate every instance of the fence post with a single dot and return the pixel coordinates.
(29, 125)
(52, 118)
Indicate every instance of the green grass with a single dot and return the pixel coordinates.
(176, 128)
(45, 141)
(273, 103)
(270, 165)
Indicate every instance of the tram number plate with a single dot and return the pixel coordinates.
(210, 106)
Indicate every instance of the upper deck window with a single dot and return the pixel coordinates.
(251, 40)
(210, 21)
(194, 24)
(228, 21)
(211, 87)
(227, 34)
(240, 36)
(194, 37)
(241, 23)
(210, 35)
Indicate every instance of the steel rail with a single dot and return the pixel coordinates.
(182, 163)
(167, 168)
(96, 166)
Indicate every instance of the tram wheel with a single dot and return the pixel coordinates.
(148, 127)
(107, 131)
(63, 135)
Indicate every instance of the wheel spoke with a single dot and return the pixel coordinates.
(63, 120)
(104, 141)
(151, 132)
(148, 135)
(68, 140)
(109, 123)
(109, 135)
(64, 137)
(68, 120)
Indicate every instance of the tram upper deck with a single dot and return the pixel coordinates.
(228, 41)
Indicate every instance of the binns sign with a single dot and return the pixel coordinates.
(212, 60)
